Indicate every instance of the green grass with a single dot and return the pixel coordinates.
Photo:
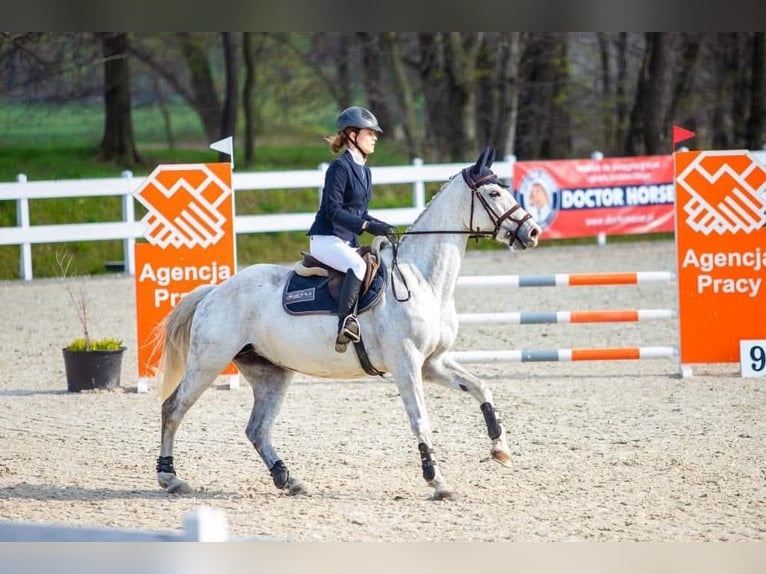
(53, 126)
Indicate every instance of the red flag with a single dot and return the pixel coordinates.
(681, 134)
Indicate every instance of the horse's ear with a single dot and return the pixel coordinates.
(484, 163)
(485, 159)
(489, 156)
(475, 168)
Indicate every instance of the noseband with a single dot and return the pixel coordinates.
(497, 220)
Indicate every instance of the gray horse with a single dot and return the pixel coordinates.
(408, 333)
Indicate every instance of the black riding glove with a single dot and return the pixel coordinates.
(377, 227)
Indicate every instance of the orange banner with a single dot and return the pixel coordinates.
(191, 242)
(721, 251)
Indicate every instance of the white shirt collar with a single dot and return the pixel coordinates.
(357, 156)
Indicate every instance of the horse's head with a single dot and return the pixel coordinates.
(501, 218)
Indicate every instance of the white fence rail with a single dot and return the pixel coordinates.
(128, 229)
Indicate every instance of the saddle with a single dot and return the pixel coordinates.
(310, 266)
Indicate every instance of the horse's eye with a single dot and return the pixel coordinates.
(494, 194)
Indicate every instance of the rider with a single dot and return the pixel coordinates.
(343, 216)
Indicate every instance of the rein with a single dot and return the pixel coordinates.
(496, 219)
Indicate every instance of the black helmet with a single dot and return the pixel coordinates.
(356, 117)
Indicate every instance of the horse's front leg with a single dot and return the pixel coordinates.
(446, 371)
(410, 384)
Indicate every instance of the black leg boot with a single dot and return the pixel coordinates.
(348, 327)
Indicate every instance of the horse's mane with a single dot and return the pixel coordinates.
(437, 194)
(441, 189)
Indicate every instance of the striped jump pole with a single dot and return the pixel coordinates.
(567, 279)
(565, 355)
(546, 317)
(596, 316)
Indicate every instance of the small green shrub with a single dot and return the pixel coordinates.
(107, 344)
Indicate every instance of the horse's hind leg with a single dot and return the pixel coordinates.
(269, 383)
(193, 384)
(447, 372)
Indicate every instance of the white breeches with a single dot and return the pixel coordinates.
(338, 254)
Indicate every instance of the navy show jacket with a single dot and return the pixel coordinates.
(345, 200)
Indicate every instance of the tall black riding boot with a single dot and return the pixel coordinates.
(348, 327)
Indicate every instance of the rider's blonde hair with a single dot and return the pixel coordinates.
(338, 141)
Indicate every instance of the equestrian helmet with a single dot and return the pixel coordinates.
(356, 117)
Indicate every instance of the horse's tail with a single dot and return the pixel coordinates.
(173, 339)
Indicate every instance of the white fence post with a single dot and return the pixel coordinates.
(418, 187)
(129, 216)
(22, 220)
(322, 168)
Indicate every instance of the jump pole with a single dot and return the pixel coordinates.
(547, 317)
(567, 279)
(565, 355)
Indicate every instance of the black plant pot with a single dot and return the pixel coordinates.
(86, 370)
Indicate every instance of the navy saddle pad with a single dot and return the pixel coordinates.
(310, 295)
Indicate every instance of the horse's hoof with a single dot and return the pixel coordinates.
(443, 493)
(295, 487)
(172, 483)
(501, 456)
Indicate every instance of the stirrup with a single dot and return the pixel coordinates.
(348, 333)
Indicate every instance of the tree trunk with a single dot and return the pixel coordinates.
(508, 109)
(732, 84)
(228, 125)
(117, 143)
(620, 91)
(720, 134)
(754, 139)
(606, 87)
(162, 103)
(543, 127)
(561, 131)
(247, 98)
(486, 90)
(739, 101)
(372, 79)
(654, 92)
(460, 55)
(205, 98)
(647, 117)
(343, 68)
(404, 95)
(683, 78)
(435, 92)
